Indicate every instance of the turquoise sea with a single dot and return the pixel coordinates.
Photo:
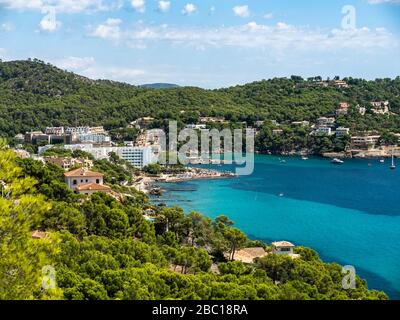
(349, 213)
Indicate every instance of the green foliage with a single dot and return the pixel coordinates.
(34, 95)
(153, 169)
(50, 179)
(57, 151)
(116, 170)
(102, 248)
(21, 257)
(120, 135)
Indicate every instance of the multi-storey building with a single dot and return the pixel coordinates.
(324, 121)
(323, 130)
(139, 157)
(341, 132)
(54, 130)
(364, 142)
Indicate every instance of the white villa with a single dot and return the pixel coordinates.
(284, 247)
(85, 181)
(323, 130)
(341, 132)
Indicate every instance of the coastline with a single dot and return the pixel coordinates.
(350, 154)
(147, 184)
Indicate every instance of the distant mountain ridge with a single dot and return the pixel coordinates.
(159, 85)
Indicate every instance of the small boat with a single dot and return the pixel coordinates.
(337, 161)
(382, 161)
(393, 166)
(304, 158)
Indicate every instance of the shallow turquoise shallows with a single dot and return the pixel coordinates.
(349, 213)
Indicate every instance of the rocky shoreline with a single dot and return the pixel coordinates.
(362, 154)
(146, 184)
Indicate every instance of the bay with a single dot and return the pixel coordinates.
(349, 213)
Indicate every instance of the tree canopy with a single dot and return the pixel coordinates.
(102, 248)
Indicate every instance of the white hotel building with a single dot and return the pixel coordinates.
(139, 157)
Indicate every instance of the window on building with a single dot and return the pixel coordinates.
(97, 181)
(74, 182)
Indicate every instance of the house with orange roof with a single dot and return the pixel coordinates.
(91, 188)
(86, 181)
(248, 255)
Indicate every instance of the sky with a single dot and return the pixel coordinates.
(205, 43)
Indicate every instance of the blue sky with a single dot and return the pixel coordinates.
(207, 43)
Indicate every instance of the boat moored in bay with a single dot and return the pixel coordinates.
(337, 161)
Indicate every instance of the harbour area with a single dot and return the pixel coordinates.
(147, 183)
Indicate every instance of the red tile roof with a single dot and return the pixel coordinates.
(37, 234)
(283, 244)
(93, 187)
(82, 172)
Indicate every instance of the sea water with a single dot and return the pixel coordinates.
(349, 213)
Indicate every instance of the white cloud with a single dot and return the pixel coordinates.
(268, 15)
(62, 6)
(109, 30)
(383, 1)
(7, 27)
(253, 25)
(164, 6)
(282, 26)
(241, 11)
(212, 9)
(139, 5)
(75, 63)
(189, 9)
(88, 67)
(257, 36)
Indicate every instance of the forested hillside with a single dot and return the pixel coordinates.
(34, 95)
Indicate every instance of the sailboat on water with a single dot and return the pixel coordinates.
(393, 166)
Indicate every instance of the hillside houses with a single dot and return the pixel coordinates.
(303, 123)
(323, 130)
(380, 107)
(340, 84)
(342, 132)
(364, 142)
(141, 123)
(68, 163)
(326, 121)
(69, 135)
(342, 108)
